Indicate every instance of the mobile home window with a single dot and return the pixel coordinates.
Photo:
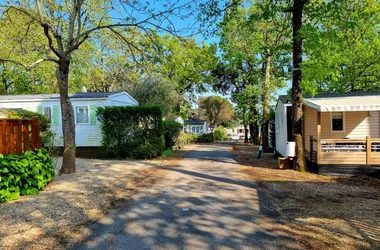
(337, 121)
(82, 114)
(47, 112)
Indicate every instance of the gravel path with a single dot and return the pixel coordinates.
(60, 214)
(205, 202)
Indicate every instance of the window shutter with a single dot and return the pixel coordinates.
(55, 121)
(39, 110)
(93, 114)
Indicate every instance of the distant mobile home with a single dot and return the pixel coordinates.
(87, 127)
(196, 127)
(338, 130)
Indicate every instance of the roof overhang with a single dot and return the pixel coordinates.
(348, 103)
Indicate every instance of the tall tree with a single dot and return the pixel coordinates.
(255, 44)
(297, 10)
(68, 25)
(215, 110)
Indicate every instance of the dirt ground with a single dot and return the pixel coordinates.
(58, 216)
(323, 212)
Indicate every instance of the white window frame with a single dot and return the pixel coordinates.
(88, 114)
(344, 122)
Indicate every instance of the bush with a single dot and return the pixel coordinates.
(134, 132)
(184, 139)
(205, 138)
(47, 136)
(191, 138)
(26, 174)
(220, 134)
(172, 129)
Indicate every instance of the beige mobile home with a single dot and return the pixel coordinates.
(339, 130)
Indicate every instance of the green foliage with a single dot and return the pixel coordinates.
(220, 134)
(205, 138)
(182, 62)
(131, 132)
(172, 130)
(191, 137)
(25, 174)
(215, 110)
(182, 140)
(47, 136)
(167, 153)
(156, 90)
(342, 46)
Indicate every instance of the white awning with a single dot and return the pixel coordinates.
(344, 103)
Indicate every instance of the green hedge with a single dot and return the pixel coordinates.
(172, 129)
(25, 174)
(134, 132)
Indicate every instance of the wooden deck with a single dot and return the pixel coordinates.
(345, 156)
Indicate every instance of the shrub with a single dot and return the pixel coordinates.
(183, 139)
(134, 132)
(172, 129)
(220, 134)
(26, 174)
(191, 138)
(205, 138)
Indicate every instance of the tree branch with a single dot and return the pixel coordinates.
(137, 24)
(31, 66)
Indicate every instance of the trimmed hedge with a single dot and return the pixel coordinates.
(172, 129)
(134, 132)
(25, 174)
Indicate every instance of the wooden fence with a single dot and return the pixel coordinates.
(19, 135)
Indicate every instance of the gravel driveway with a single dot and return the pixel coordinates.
(205, 202)
(59, 215)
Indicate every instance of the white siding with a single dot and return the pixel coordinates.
(87, 135)
(281, 134)
(121, 99)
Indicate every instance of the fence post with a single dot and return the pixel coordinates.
(4, 146)
(368, 150)
(319, 150)
(19, 137)
(311, 148)
(35, 133)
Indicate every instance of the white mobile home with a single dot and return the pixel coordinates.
(283, 127)
(87, 127)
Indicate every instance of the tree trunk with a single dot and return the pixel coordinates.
(246, 140)
(68, 125)
(266, 98)
(299, 161)
(252, 132)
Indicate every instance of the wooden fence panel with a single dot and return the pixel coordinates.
(19, 135)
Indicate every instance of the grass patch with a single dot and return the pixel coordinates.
(168, 153)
